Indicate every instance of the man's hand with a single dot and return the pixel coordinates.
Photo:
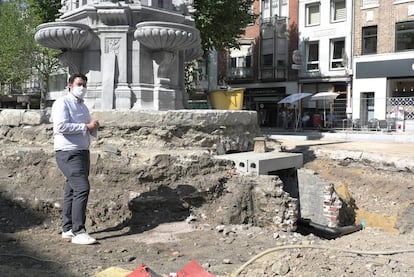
(93, 126)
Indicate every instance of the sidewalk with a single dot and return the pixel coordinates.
(386, 148)
(341, 134)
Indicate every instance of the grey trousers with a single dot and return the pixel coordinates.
(75, 166)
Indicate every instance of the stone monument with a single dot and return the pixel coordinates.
(133, 52)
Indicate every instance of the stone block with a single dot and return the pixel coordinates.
(11, 117)
(34, 117)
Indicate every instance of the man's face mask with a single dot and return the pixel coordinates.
(79, 92)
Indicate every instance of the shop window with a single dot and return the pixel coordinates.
(337, 53)
(369, 40)
(312, 14)
(312, 53)
(338, 10)
(404, 36)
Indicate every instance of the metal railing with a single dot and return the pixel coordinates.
(398, 111)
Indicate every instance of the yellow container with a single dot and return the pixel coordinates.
(231, 99)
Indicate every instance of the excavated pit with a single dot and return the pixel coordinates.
(148, 169)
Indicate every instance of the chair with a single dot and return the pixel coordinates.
(356, 124)
(373, 124)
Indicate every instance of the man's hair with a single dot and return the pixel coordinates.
(77, 75)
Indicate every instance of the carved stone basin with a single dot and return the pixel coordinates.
(193, 53)
(64, 35)
(158, 35)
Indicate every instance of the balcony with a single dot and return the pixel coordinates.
(273, 74)
(240, 74)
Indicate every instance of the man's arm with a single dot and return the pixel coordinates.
(61, 120)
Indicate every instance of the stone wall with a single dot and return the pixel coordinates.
(218, 131)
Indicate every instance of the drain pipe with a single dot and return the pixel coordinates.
(329, 232)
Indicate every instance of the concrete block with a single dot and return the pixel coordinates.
(263, 163)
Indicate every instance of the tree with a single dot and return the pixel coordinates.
(16, 43)
(19, 53)
(222, 22)
(45, 59)
(44, 10)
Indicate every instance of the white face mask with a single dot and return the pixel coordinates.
(79, 92)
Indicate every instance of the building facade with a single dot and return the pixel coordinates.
(383, 84)
(325, 46)
(262, 65)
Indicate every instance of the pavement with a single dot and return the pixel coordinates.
(386, 148)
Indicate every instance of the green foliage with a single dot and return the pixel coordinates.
(19, 53)
(16, 42)
(44, 10)
(222, 22)
(192, 77)
(45, 59)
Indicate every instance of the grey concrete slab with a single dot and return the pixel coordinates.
(263, 163)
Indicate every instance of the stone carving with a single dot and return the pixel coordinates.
(71, 59)
(64, 7)
(112, 45)
(113, 17)
(64, 35)
(162, 65)
(193, 53)
(166, 35)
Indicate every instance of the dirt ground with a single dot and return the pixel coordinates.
(30, 243)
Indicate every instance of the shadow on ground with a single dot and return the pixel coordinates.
(15, 258)
(163, 205)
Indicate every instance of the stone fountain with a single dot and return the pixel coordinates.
(133, 52)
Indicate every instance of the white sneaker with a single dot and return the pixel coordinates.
(68, 234)
(83, 238)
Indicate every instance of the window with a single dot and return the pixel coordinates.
(267, 60)
(312, 14)
(369, 40)
(312, 53)
(248, 61)
(337, 53)
(404, 36)
(338, 10)
(272, 8)
(233, 62)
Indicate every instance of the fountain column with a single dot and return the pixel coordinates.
(114, 61)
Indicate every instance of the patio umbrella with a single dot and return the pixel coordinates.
(324, 96)
(292, 98)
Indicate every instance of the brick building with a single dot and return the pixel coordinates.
(262, 65)
(383, 84)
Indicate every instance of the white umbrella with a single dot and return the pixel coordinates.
(292, 98)
(324, 96)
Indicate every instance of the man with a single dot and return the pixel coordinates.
(72, 127)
